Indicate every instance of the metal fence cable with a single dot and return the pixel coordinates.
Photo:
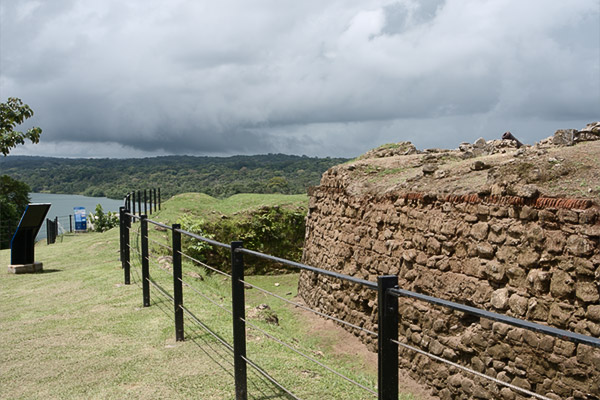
(168, 271)
(479, 374)
(135, 250)
(159, 244)
(269, 377)
(159, 224)
(341, 321)
(205, 297)
(205, 265)
(163, 291)
(203, 239)
(309, 357)
(207, 329)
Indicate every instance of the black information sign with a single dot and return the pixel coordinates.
(23, 241)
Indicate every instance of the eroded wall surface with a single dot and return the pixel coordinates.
(533, 259)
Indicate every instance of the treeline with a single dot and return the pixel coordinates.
(215, 176)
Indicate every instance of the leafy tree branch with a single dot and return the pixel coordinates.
(12, 114)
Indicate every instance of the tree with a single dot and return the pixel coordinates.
(13, 113)
(14, 197)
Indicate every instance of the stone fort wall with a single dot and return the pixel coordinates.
(535, 259)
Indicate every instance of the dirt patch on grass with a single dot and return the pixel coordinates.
(344, 344)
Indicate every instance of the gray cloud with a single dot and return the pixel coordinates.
(141, 77)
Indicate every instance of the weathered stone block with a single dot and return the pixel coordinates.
(516, 276)
(588, 355)
(527, 213)
(433, 246)
(506, 253)
(539, 281)
(528, 258)
(555, 241)
(495, 271)
(537, 309)
(588, 216)
(496, 234)
(499, 211)
(579, 246)
(479, 231)
(593, 312)
(559, 314)
(562, 284)
(499, 299)
(587, 292)
(567, 216)
(485, 250)
(518, 304)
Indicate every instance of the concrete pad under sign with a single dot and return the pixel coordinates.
(25, 268)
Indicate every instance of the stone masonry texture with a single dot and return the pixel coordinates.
(537, 261)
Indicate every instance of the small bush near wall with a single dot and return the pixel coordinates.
(274, 230)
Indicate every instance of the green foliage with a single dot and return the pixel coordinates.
(275, 230)
(269, 223)
(14, 197)
(219, 177)
(193, 247)
(13, 113)
(102, 222)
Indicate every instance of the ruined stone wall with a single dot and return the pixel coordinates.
(533, 259)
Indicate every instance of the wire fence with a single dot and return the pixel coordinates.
(137, 258)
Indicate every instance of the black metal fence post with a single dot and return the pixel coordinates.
(177, 283)
(239, 326)
(70, 223)
(133, 202)
(139, 202)
(122, 235)
(145, 202)
(387, 354)
(155, 201)
(126, 253)
(150, 201)
(159, 198)
(145, 266)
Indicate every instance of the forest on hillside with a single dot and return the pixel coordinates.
(215, 176)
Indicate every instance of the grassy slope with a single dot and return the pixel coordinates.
(75, 331)
(207, 207)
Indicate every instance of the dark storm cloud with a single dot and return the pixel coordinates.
(336, 79)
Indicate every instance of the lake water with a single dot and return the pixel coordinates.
(63, 204)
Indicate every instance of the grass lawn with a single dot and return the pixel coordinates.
(75, 331)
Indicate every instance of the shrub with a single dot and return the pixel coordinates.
(101, 222)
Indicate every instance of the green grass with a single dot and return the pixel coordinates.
(75, 331)
(208, 207)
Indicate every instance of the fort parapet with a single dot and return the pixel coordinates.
(494, 230)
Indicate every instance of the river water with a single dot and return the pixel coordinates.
(63, 204)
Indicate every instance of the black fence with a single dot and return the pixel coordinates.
(147, 199)
(56, 227)
(386, 288)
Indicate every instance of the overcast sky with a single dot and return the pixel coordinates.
(114, 78)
